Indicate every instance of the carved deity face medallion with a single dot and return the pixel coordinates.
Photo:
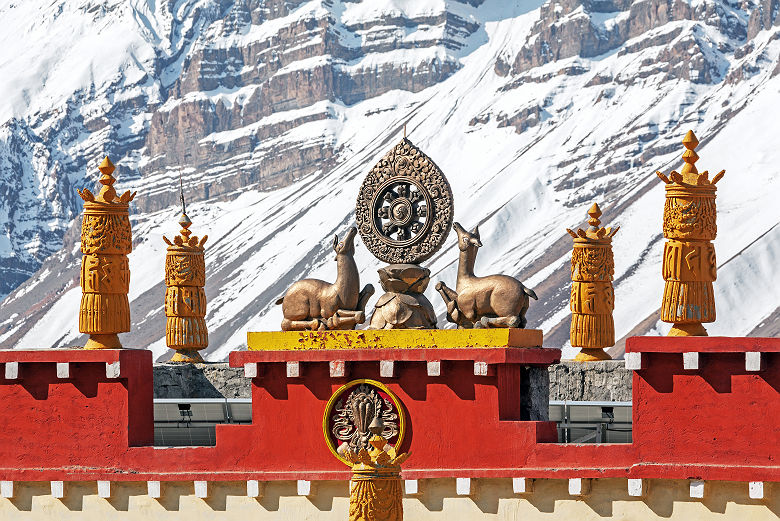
(357, 409)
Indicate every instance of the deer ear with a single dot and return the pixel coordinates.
(476, 231)
(335, 241)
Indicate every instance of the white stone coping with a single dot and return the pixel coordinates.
(464, 486)
(754, 360)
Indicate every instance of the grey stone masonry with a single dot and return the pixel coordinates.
(209, 380)
(606, 381)
(570, 381)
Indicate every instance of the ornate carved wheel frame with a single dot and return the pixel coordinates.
(404, 210)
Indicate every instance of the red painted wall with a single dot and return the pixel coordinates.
(719, 422)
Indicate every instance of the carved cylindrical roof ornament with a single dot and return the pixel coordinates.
(592, 296)
(689, 266)
(185, 299)
(375, 491)
(106, 240)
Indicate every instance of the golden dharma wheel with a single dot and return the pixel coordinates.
(404, 209)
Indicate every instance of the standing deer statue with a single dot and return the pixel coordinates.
(317, 305)
(481, 302)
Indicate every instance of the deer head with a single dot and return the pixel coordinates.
(347, 246)
(467, 240)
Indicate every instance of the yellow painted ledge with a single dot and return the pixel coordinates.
(394, 339)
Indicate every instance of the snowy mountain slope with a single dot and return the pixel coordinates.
(532, 111)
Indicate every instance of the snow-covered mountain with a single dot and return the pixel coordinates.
(273, 111)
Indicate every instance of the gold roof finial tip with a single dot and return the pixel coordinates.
(106, 167)
(690, 156)
(185, 221)
(594, 213)
(690, 140)
(107, 193)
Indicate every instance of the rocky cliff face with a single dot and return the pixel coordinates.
(588, 29)
(273, 111)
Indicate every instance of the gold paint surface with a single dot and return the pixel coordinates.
(106, 240)
(185, 299)
(394, 339)
(689, 264)
(592, 295)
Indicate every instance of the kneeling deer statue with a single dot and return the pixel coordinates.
(317, 305)
(492, 301)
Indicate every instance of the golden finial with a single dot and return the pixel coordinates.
(106, 240)
(592, 296)
(106, 167)
(404, 130)
(689, 268)
(690, 156)
(689, 174)
(185, 300)
(594, 213)
(107, 193)
(594, 232)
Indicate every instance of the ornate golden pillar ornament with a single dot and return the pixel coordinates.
(375, 491)
(592, 296)
(106, 240)
(689, 266)
(364, 425)
(185, 300)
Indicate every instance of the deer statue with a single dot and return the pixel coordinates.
(481, 302)
(316, 305)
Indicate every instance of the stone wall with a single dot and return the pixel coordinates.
(592, 381)
(571, 381)
(200, 381)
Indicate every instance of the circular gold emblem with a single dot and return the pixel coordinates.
(359, 409)
(404, 209)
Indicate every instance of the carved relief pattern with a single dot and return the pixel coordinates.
(376, 500)
(186, 332)
(185, 301)
(689, 261)
(591, 305)
(105, 271)
(105, 274)
(689, 217)
(592, 295)
(107, 233)
(592, 298)
(101, 314)
(592, 263)
(185, 269)
(404, 209)
(354, 415)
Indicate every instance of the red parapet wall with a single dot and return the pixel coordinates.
(87, 415)
(720, 411)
